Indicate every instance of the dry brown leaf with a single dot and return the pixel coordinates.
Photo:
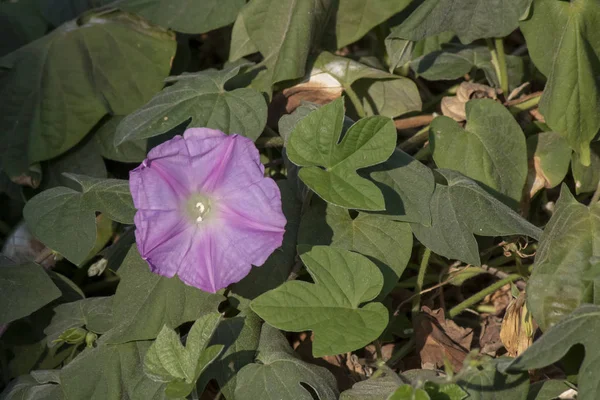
(489, 339)
(517, 327)
(536, 179)
(500, 299)
(454, 106)
(320, 88)
(438, 339)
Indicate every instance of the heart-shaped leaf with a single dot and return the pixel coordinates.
(65, 221)
(462, 209)
(58, 87)
(279, 374)
(567, 263)
(202, 98)
(314, 145)
(568, 55)
(491, 149)
(129, 152)
(331, 306)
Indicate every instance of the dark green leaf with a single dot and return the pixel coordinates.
(491, 149)
(58, 11)
(550, 155)
(184, 15)
(566, 266)
(483, 381)
(374, 388)
(470, 20)
(388, 242)
(145, 302)
(546, 390)
(400, 51)
(20, 23)
(569, 55)
(586, 178)
(279, 373)
(314, 144)
(202, 98)
(462, 209)
(331, 306)
(58, 87)
(130, 151)
(24, 289)
(27, 388)
(576, 328)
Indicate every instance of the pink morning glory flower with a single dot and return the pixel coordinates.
(205, 211)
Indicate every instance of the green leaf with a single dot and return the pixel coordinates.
(586, 178)
(314, 144)
(201, 98)
(26, 387)
(373, 388)
(550, 155)
(129, 151)
(470, 20)
(186, 16)
(239, 336)
(407, 186)
(463, 209)
(355, 18)
(65, 221)
(331, 306)
(380, 92)
(444, 391)
(569, 55)
(566, 266)
(279, 374)
(24, 289)
(388, 243)
(283, 32)
(95, 314)
(492, 148)
(400, 51)
(20, 23)
(144, 302)
(407, 392)
(110, 372)
(483, 381)
(59, 11)
(576, 328)
(549, 389)
(58, 87)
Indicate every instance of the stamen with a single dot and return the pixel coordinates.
(199, 219)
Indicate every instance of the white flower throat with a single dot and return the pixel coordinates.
(197, 208)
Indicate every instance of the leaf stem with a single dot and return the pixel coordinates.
(525, 105)
(360, 110)
(477, 297)
(266, 142)
(596, 195)
(499, 60)
(402, 352)
(416, 140)
(416, 303)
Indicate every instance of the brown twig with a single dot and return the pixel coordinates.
(413, 122)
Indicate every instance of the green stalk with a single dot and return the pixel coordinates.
(402, 352)
(266, 142)
(416, 303)
(499, 60)
(415, 140)
(355, 101)
(526, 105)
(476, 298)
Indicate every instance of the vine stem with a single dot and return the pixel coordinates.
(596, 195)
(266, 142)
(416, 140)
(499, 60)
(360, 110)
(416, 303)
(477, 297)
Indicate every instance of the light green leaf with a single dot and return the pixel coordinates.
(355, 18)
(388, 242)
(144, 302)
(202, 98)
(95, 314)
(483, 381)
(462, 209)
(407, 186)
(329, 307)
(550, 155)
(407, 392)
(186, 16)
(444, 391)
(374, 388)
(569, 55)
(491, 149)
(567, 263)
(314, 144)
(283, 32)
(278, 374)
(129, 151)
(24, 289)
(58, 87)
(470, 20)
(586, 178)
(576, 328)
(64, 219)
(110, 372)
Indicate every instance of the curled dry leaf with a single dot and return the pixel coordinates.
(455, 106)
(517, 327)
(320, 88)
(438, 339)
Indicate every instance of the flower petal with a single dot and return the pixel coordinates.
(171, 161)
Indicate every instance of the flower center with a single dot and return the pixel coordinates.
(198, 208)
